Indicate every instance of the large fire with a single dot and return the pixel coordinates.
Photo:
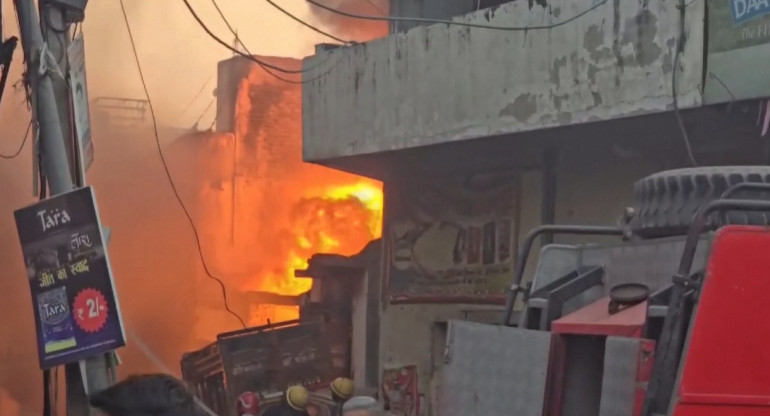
(342, 219)
(265, 212)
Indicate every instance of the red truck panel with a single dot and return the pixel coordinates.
(595, 319)
(727, 366)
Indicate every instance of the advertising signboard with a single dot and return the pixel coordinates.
(76, 308)
(738, 49)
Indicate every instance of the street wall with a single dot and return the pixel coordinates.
(439, 83)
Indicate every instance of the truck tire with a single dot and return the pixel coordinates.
(666, 202)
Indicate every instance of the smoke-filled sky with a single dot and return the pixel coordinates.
(177, 57)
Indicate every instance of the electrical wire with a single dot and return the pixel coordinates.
(168, 172)
(376, 7)
(453, 22)
(280, 78)
(208, 107)
(21, 146)
(306, 24)
(679, 46)
(236, 51)
(195, 97)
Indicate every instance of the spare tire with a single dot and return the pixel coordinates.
(666, 202)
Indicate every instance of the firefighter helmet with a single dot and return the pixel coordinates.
(297, 397)
(247, 404)
(343, 388)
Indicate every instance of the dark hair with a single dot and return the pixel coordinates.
(147, 395)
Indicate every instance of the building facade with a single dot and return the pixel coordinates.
(518, 114)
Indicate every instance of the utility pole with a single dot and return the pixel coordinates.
(52, 145)
(56, 34)
(46, 69)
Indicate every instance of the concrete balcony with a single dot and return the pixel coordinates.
(445, 83)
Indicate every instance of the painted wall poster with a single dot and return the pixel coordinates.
(400, 391)
(451, 240)
(738, 50)
(76, 308)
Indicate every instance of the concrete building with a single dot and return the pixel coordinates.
(481, 134)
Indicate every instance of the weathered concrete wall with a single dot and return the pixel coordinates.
(433, 9)
(416, 335)
(440, 83)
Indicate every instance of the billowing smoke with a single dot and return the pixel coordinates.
(153, 253)
(360, 30)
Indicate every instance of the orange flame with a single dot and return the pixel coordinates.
(270, 213)
(342, 220)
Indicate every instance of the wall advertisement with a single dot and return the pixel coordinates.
(738, 49)
(451, 241)
(400, 391)
(76, 308)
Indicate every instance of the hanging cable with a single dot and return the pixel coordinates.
(208, 107)
(306, 24)
(236, 51)
(168, 172)
(280, 78)
(376, 7)
(453, 22)
(679, 46)
(21, 146)
(195, 97)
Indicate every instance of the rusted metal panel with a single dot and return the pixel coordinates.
(444, 83)
(265, 360)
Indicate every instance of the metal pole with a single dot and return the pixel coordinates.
(56, 35)
(548, 200)
(52, 113)
(54, 154)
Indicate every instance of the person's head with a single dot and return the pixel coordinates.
(362, 406)
(297, 398)
(147, 395)
(247, 404)
(342, 389)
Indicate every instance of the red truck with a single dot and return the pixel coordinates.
(672, 319)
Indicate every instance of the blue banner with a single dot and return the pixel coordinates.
(745, 10)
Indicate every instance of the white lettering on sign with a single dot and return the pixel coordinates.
(53, 218)
(744, 10)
